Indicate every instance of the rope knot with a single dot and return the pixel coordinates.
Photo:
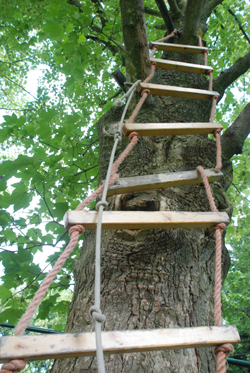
(13, 366)
(226, 348)
(220, 226)
(145, 92)
(97, 314)
(118, 136)
(101, 203)
(133, 134)
(217, 131)
(76, 228)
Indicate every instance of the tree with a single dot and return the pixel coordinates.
(150, 279)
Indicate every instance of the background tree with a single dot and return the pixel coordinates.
(150, 278)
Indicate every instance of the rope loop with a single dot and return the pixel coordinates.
(226, 348)
(145, 91)
(76, 228)
(132, 135)
(101, 203)
(218, 130)
(97, 314)
(220, 227)
(118, 136)
(13, 366)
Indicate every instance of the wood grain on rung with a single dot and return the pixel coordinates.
(158, 181)
(54, 346)
(170, 129)
(179, 48)
(145, 219)
(168, 90)
(181, 66)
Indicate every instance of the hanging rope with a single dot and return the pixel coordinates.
(221, 351)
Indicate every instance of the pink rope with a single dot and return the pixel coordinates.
(222, 353)
(205, 57)
(139, 105)
(214, 102)
(25, 319)
(98, 192)
(223, 350)
(210, 88)
(13, 366)
(173, 33)
(154, 49)
(218, 147)
(213, 207)
(133, 137)
(153, 66)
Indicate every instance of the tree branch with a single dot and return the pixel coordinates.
(165, 15)
(152, 12)
(181, 4)
(102, 103)
(233, 138)
(209, 7)
(111, 47)
(12, 81)
(228, 76)
(192, 20)
(240, 25)
(174, 9)
(135, 39)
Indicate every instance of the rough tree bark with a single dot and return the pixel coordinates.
(155, 278)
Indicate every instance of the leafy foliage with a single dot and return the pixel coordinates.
(55, 140)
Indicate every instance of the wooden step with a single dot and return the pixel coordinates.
(170, 129)
(178, 48)
(56, 346)
(181, 66)
(168, 90)
(145, 219)
(158, 181)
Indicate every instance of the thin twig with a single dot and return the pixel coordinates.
(12, 81)
(242, 195)
(240, 25)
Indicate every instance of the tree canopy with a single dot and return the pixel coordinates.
(49, 142)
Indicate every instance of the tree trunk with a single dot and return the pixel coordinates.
(155, 278)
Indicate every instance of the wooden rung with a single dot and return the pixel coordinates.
(170, 129)
(179, 48)
(168, 90)
(54, 346)
(181, 66)
(158, 181)
(145, 219)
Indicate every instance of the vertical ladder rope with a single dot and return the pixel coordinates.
(223, 350)
(96, 309)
